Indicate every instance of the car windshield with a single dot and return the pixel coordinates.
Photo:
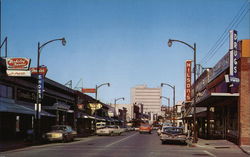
(112, 126)
(172, 130)
(58, 128)
(145, 125)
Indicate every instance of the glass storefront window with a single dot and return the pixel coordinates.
(6, 91)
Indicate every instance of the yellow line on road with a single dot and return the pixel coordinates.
(121, 140)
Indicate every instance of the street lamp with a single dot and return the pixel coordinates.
(170, 41)
(173, 88)
(39, 85)
(168, 99)
(122, 98)
(96, 89)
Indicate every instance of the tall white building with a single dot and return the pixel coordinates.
(149, 97)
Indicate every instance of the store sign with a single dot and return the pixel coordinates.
(188, 80)
(220, 67)
(88, 90)
(234, 55)
(42, 70)
(18, 73)
(17, 63)
(40, 86)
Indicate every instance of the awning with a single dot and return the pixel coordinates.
(214, 98)
(12, 107)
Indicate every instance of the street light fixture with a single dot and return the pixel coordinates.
(170, 41)
(168, 99)
(96, 89)
(39, 84)
(122, 98)
(173, 88)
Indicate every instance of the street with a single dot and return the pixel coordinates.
(129, 144)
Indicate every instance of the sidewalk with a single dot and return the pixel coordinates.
(218, 144)
(19, 144)
(10, 145)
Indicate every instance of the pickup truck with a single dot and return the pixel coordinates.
(110, 130)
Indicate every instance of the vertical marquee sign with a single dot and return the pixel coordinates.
(234, 56)
(188, 80)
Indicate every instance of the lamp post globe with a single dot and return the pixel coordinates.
(169, 43)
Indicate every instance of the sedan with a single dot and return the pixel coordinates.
(62, 133)
(145, 128)
(171, 134)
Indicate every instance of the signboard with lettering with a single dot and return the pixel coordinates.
(234, 56)
(18, 73)
(188, 80)
(17, 63)
(88, 90)
(42, 70)
(40, 86)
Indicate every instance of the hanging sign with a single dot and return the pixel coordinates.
(188, 80)
(234, 56)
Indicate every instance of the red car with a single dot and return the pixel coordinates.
(145, 128)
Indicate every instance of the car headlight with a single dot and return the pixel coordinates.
(57, 135)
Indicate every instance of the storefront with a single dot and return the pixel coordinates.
(226, 102)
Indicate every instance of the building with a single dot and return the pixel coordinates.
(128, 107)
(148, 99)
(225, 98)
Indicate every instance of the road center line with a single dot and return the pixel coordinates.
(207, 152)
(121, 140)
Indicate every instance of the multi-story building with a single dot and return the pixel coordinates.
(148, 99)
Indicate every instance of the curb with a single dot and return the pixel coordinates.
(243, 150)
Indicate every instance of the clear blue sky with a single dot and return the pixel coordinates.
(123, 42)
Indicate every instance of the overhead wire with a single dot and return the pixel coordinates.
(222, 39)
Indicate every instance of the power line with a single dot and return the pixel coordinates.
(221, 40)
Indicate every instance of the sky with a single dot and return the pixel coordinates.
(123, 42)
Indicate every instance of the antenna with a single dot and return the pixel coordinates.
(79, 85)
(69, 84)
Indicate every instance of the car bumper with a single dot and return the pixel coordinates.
(147, 131)
(54, 139)
(173, 139)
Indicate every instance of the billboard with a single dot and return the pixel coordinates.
(188, 80)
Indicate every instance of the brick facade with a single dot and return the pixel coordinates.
(244, 101)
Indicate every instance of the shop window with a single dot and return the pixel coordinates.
(6, 91)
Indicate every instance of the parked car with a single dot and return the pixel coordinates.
(173, 134)
(145, 128)
(62, 133)
(161, 129)
(110, 130)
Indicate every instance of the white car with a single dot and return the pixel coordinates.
(110, 130)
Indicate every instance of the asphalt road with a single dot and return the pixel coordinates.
(131, 144)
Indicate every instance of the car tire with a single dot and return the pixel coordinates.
(111, 134)
(162, 142)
